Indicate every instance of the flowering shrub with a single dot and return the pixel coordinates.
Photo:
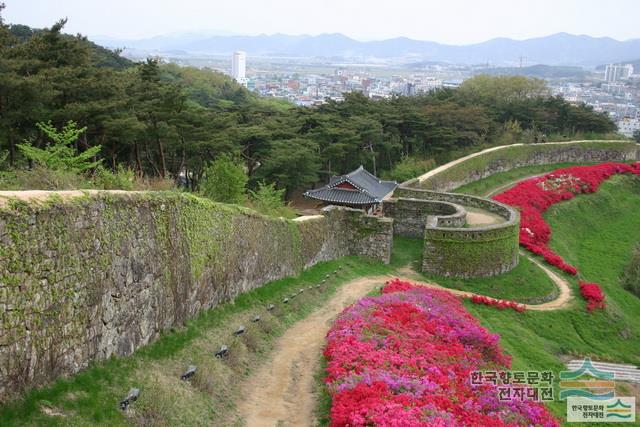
(534, 196)
(405, 358)
(499, 304)
(593, 294)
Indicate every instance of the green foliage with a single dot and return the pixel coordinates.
(268, 200)
(501, 89)
(291, 164)
(121, 179)
(225, 181)
(42, 178)
(165, 121)
(636, 136)
(631, 275)
(60, 154)
(409, 168)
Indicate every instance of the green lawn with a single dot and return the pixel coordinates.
(526, 284)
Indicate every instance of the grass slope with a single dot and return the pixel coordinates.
(596, 233)
(526, 283)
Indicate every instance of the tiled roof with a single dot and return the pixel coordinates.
(369, 189)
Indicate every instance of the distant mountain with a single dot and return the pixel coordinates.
(557, 49)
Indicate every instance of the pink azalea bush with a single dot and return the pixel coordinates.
(534, 196)
(404, 359)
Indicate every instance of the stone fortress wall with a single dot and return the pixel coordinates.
(102, 275)
(422, 208)
(494, 160)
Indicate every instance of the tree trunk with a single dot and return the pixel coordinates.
(151, 162)
(163, 162)
(136, 153)
(12, 150)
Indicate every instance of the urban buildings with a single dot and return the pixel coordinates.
(628, 126)
(614, 73)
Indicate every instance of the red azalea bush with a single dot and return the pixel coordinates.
(534, 196)
(405, 358)
(499, 304)
(592, 293)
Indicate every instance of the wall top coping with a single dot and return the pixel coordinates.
(456, 162)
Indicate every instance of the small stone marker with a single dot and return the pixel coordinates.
(271, 307)
(285, 301)
(191, 371)
(255, 319)
(241, 330)
(133, 395)
(224, 351)
(301, 291)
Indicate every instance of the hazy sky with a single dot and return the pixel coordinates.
(446, 21)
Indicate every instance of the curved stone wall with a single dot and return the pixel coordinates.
(504, 158)
(468, 251)
(410, 215)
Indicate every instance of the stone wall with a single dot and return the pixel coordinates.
(467, 251)
(410, 215)
(501, 159)
(90, 277)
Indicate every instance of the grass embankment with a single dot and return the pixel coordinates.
(91, 397)
(497, 181)
(596, 233)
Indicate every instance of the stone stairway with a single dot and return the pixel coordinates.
(622, 372)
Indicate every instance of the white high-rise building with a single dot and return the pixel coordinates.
(239, 67)
(614, 73)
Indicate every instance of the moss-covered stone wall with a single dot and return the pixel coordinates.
(93, 276)
(465, 252)
(501, 159)
(410, 215)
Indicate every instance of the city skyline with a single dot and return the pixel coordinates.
(456, 22)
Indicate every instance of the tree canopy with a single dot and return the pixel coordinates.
(163, 120)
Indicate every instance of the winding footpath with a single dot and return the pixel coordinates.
(281, 393)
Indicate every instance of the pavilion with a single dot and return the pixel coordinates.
(358, 189)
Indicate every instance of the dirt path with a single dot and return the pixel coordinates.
(42, 195)
(281, 393)
(563, 299)
(476, 216)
